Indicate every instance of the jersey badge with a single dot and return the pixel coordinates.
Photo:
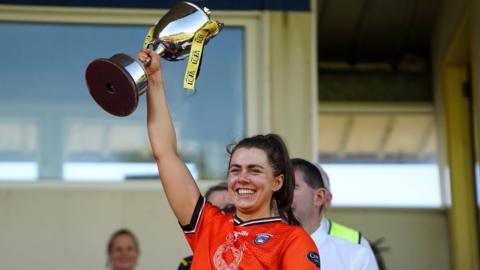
(262, 238)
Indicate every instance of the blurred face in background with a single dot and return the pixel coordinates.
(303, 205)
(308, 203)
(124, 253)
(220, 198)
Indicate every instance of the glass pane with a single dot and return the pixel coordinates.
(48, 118)
(375, 157)
(385, 185)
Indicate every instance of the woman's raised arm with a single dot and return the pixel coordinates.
(180, 187)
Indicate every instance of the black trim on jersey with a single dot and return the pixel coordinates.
(238, 222)
(359, 237)
(197, 212)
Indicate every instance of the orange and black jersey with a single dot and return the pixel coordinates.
(224, 242)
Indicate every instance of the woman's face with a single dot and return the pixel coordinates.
(124, 253)
(251, 183)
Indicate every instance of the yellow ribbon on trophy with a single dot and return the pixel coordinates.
(149, 37)
(195, 57)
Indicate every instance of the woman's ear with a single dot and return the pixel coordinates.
(277, 182)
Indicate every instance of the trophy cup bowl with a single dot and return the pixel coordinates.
(117, 83)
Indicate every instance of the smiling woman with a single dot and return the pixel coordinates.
(254, 163)
(260, 180)
(122, 250)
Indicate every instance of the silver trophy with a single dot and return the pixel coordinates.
(117, 83)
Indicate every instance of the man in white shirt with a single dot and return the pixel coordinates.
(340, 247)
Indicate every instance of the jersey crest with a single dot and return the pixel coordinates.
(229, 254)
(262, 238)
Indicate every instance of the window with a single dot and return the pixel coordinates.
(385, 185)
(52, 128)
(380, 155)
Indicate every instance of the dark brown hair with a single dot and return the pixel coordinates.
(311, 173)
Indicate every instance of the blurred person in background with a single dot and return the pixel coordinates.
(340, 247)
(123, 250)
(219, 197)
